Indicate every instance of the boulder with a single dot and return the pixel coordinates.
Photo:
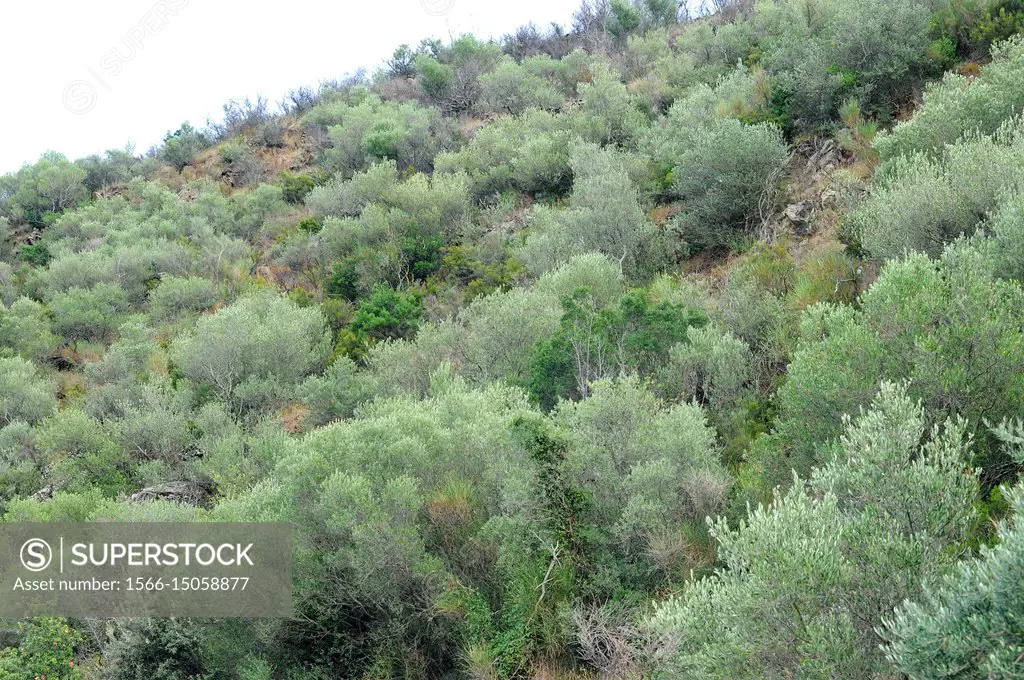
(191, 493)
(799, 215)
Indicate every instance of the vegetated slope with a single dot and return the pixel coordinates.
(500, 327)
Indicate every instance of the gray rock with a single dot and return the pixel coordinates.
(799, 215)
(191, 493)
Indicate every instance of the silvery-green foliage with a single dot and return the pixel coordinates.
(25, 394)
(25, 330)
(405, 366)
(528, 153)
(8, 289)
(969, 624)
(947, 326)
(806, 581)
(1006, 227)
(253, 352)
(336, 394)
(116, 379)
(179, 296)
(91, 314)
(347, 198)
(726, 178)
(513, 88)
(502, 328)
(154, 425)
(922, 203)
(648, 467)
(596, 272)
(608, 113)
(604, 215)
(713, 365)
(959, 105)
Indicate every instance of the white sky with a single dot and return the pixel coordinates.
(194, 55)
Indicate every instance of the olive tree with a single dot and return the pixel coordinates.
(806, 581)
(24, 393)
(253, 351)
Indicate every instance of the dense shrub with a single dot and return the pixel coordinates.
(89, 314)
(802, 587)
(824, 53)
(959, 105)
(922, 203)
(25, 330)
(604, 215)
(948, 327)
(373, 130)
(183, 145)
(26, 394)
(177, 296)
(254, 351)
(37, 193)
(967, 621)
(727, 180)
(512, 88)
(528, 153)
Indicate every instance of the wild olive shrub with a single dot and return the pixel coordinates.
(727, 180)
(336, 394)
(8, 286)
(402, 495)
(959, 105)
(252, 353)
(653, 69)
(242, 215)
(1006, 227)
(449, 76)
(652, 472)
(716, 49)
(20, 474)
(512, 88)
(736, 94)
(599, 274)
(604, 215)
(608, 113)
(115, 166)
(373, 130)
(441, 204)
(116, 380)
(527, 153)
(79, 455)
(966, 625)
(823, 53)
(500, 330)
(922, 203)
(347, 198)
(177, 296)
(183, 145)
(712, 366)
(26, 394)
(6, 240)
(807, 580)
(406, 366)
(566, 73)
(91, 314)
(948, 327)
(37, 193)
(154, 426)
(25, 331)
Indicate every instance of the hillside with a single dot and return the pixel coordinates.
(656, 346)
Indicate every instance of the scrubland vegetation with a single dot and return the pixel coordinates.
(660, 346)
